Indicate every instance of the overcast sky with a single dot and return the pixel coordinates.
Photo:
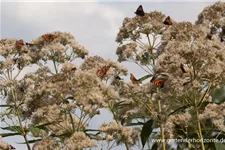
(94, 24)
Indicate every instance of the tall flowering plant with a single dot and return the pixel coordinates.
(186, 64)
(52, 103)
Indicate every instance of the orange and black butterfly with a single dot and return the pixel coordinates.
(159, 82)
(49, 37)
(167, 21)
(20, 43)
(102, 72)
(134, 80)
(140, 11)
(182, 68)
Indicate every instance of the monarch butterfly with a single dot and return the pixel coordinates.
(20, 43)
(49, 37)
(102, 72)
(182, 68)
(140, 11)
(134, 80)
(159, 82)
(167, 21)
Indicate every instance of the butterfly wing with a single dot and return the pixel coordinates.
(105, 69)
(167, 21)
(140, 11)
(159, 82)
(49, 37)
(134, 80)
(52, 36)
(102, 72)
(20, 43)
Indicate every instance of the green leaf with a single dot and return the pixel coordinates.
(135, 124)
(179, 109)
(219, 146)
(34, 130)
(43, 126)
(154, 146)
(146, 131)
(12, 128)
(118, 105)
(9, 134)
(5, 105)
(218, 95)
(145, 77)
(31, 141)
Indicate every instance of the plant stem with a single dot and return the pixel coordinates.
(199, 128)
(151, 49)
(24, 134)
(161, 127)
(56, 71)
(114, 116)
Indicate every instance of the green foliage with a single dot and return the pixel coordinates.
(146, 131)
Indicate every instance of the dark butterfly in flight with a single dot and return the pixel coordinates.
(140, 11)
(167, 21)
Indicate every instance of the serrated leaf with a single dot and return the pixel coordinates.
(146, 131)
(145, 77)
(9, 134)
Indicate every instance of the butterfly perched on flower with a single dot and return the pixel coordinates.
(20, 43)
(49, 37)
(140, 11)
(159, 82)
(167, 21)
(102, 72)
(134, 80)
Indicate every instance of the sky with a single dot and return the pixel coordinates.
(93, 24)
